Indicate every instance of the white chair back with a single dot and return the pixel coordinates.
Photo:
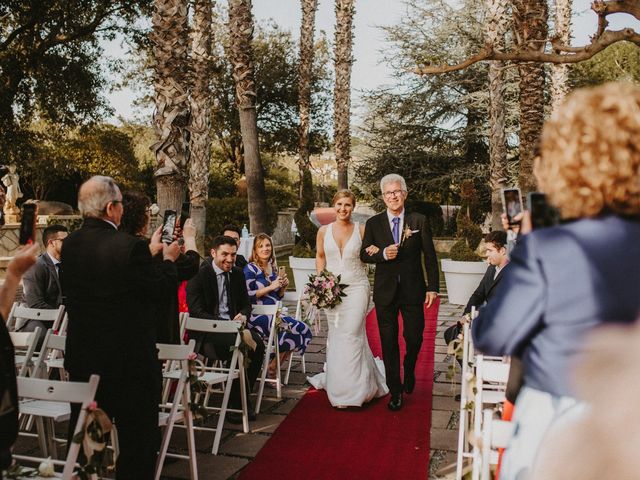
(51, 354)
(302, 268)
(25, 345)
(20, 314)
(272, 347)
(63, 392)
(495, 434)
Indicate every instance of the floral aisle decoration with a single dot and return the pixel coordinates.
(324, 291)
(197, 388)
(93, 438)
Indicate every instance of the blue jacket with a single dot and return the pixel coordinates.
(563, 281)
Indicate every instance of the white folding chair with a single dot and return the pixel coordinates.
(491, 384)
(464, 450)
(176, 357)
(24, 344)
(272, 347)
(295, 356)
(34, 390)
(51, 356)
(221, 375)
(20, 314)
(495, 434)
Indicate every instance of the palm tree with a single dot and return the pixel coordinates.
(530, 32)
(342, 91)
(200, 125)
(241, 56)
(307, 27)
(560, 72)
(497, 22)
(170, 38)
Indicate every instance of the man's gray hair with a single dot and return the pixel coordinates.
(393, 178)
(95, 194)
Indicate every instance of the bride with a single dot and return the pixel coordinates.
(352, 376)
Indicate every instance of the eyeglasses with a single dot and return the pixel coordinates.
(394, 193)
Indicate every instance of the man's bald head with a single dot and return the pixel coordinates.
(95, 195)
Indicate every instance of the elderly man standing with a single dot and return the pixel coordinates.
(110, 287)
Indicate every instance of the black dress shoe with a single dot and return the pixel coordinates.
(395, 403)
(409, 382)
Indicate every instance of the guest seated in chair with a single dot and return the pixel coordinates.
(266, 286)
(233, 231)
(218, 292)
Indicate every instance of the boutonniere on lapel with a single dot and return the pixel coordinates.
(406, 233)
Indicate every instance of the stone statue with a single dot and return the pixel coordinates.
(10, 180)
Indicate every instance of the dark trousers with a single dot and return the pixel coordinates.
(413, 323)
(218, 347)
(132, 402)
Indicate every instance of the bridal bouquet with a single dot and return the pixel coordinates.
(325, 290)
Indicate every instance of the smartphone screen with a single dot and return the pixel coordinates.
(542, 214)
(168, 226)
(185, 212)
(512, 203)
(282, 271)
(28, 224)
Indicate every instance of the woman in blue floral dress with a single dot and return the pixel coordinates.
(265, 287)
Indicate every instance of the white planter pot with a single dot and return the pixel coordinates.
(462, 278)
(302, 268)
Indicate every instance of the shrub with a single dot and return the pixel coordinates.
(468, 233)
(432, 211)
(307, 231)
(302, 250)
(462, 253)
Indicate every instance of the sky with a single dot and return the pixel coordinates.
(368, 72)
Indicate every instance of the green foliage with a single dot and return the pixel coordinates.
(221, 211)
(469, 231)
(52, 65)
(462, 253)
(307, 231)
(620, 61)
(72, 224)
(432, 211)
(302, 250)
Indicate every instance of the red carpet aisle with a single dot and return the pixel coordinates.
(317, 441)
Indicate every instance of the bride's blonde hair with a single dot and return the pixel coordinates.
(345, 193)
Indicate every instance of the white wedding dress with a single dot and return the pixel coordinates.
(351, 375)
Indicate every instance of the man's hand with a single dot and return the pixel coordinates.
(391, 252)
(371, 250)
(171, 252)
(241, 318)
(23, 259)
(155, 244)
(430, 298)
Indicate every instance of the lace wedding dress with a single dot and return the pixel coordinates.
(352, 376)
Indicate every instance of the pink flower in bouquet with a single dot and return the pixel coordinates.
(92, 406)
(192, 356)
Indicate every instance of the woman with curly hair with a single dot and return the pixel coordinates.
(568, 279)
(266, 287)
(136, 221)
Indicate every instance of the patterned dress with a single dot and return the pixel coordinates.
(297, 335)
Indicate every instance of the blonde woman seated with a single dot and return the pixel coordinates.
(266, 287)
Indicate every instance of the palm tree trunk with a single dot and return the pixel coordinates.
(307, 27)
(200, 126)
(343, 59)
(170, 38)
(497, 22)
(530, 29)
(560, 72)
(241, 56)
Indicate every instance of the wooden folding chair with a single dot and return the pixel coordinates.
(272, 347)
(176, 358)
(35, 390)
(221, 375)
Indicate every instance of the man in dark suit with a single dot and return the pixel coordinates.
(219, 291)
(233, 231)
(110, 287)
(41, 284)
(399, 283)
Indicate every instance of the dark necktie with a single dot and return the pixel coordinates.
(396, 229)
(227, 288)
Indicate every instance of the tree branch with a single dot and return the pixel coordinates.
(574, 55)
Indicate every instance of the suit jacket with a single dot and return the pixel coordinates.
(111, 289)
(42, 285)
(202, 294)
(562, 282)
(486, 289)
(407, 266)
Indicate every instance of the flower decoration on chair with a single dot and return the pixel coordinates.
(197, 388)
(93, 438)
(325, 290)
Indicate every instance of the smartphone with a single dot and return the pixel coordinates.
(511, 203)
(28, 223)
(282, 271)
(185, 213)
(542, 214)
(168, 226)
